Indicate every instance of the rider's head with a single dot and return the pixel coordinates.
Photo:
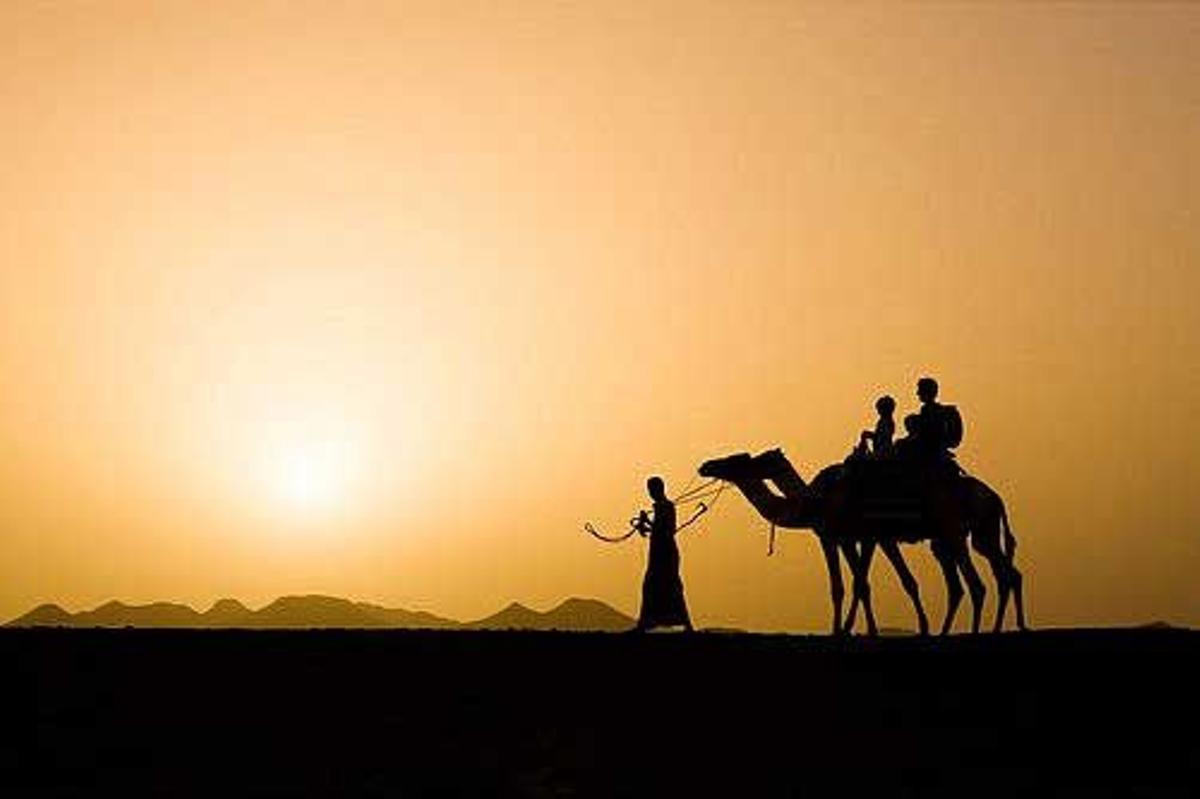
(657, 489)
(911, 423)
(927, 389)
(885, 405)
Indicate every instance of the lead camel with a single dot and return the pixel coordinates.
(832, 509)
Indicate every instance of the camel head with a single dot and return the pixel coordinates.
(743, 465)
(771, 462)
(769, 482)
(730, 467)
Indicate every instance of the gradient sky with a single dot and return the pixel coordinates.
(385, 300)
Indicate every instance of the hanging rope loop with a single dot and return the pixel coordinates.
(611, 539)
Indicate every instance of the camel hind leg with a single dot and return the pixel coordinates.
(974, 586)
(1018, 599)
(1008, 579)
(994, 540)
(1016, 580)
(954, 589)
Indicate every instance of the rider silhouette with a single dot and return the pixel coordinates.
(938, 431)
(663, 604)
(885, 429)
(906, 447)
(931, 425)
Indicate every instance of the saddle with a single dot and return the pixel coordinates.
(896, 489)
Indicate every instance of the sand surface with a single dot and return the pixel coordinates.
(240, 713)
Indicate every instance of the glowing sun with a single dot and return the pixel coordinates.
(311, 478)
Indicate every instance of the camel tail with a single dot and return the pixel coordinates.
(1010, 540)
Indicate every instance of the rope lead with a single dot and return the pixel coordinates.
(635, 524)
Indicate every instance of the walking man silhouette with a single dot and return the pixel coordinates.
(663, 604)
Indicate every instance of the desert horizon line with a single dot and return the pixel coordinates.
(314, 597)
(512, 615)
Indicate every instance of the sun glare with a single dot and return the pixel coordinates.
(311, 479)
(308, 482)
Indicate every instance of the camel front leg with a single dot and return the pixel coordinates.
(860, 565)
(852, 613)
(837, 590)
(892, 550)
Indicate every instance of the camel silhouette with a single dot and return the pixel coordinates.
(944, 511)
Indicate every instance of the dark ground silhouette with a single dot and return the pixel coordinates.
(386, 713)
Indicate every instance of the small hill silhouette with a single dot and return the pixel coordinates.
(156, 614)
(325, 611)
(228, 613)
(47, 615)
(1159, 624)
(514, 617)
(316, 611)
(572, 615)
(398, 617)
(313, 611)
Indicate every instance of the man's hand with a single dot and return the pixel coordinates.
(642, 525)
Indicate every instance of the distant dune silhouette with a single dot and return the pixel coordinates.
(325, 612)
(573, 614)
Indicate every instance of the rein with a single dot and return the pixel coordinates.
(702, 492)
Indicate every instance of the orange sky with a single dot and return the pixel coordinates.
(385, 299)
